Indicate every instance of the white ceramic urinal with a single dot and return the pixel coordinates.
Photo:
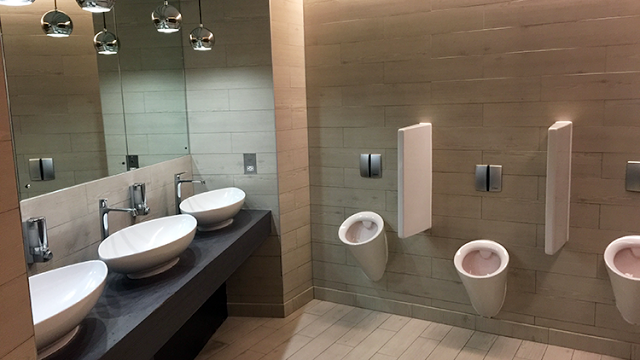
(622, 258)
(482, 266)
(364, 235)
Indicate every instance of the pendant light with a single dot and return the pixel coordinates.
(201, 38)
(16, 2)
(105, 42)
(166, 18)
(56, 23)
(96, 6)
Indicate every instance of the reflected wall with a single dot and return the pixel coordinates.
(142, 89)
(54, 96)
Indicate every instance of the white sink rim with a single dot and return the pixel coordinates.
(214, 209)
(72, 306)
(160, 241)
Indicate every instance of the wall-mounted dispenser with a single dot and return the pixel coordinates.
(36, 240)
(371, 165)
(138, 196)
(489, 178)
(41, 169)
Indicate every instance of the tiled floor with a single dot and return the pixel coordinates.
(326, 331)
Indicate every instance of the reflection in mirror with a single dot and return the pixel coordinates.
(142, 90)
(88, 111)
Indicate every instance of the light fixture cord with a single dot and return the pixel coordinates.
(104, 21)
(55, 5)
(200, 12)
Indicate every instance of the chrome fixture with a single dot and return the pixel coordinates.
(16, 2)
(96, 6)
(105, 42)
(41, 169)
(104, 216)
(139, 198)
(166, 18)
(36, 240)
(177, 181)
(56, 23)
(201, 38)
(489, 178)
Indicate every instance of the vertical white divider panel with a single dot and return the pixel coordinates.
(558, 197)
(415, 165)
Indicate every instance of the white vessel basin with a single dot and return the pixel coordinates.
(214, 209)
(148, 248)
(60, 299)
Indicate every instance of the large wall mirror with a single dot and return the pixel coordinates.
(87, 111)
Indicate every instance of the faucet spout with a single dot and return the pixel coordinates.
(177, 181)
(104, 216)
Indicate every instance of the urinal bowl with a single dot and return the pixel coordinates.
(622, 258)
(482, 267)
(363, 234)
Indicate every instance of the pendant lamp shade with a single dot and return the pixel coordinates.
(16, 2)
(55, 23)
(202, 39)
(96, 6)
(106, 43)
(166, 18)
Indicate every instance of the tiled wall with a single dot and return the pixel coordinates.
(72, 214)
(16, 331)
(287, 41)
(142, 89)
(492, 76)
(230, 106)
(55, 98)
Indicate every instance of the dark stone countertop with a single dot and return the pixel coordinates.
(134, 318)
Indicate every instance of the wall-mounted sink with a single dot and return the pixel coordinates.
(148, 248)
(214, 209)
(60, 299)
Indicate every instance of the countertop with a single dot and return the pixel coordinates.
(134, 318)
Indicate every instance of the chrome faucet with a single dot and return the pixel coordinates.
(104, 216)
(177, 181)
(36, 240)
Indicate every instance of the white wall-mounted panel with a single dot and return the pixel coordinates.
(558, 195)
(415, 165)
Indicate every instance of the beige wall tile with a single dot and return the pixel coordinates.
(26, 351)
(438, 115)
(544, 113)
(387, 94)
(356, 74)
(556, 61)
(8, 192)
(589, 87)
(486, 138)
(12, 246)
(16, 316)
(486, 90)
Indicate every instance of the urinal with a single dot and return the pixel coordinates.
(622, 258)
(363, 233)
(482, 267)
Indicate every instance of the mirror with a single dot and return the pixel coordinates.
(89, 111)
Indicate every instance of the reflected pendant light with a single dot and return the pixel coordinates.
(201, 38)
(105, 42)
(16, 2)
(166, 18)
(56, 23)
(96, 6)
